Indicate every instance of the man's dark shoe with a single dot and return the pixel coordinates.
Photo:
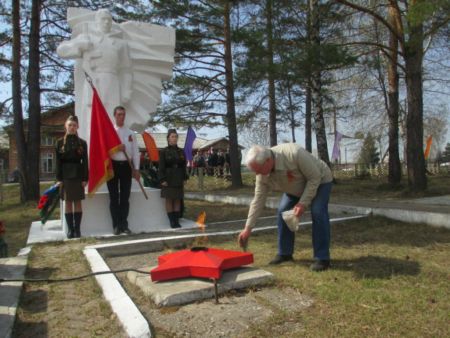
(126, 231)
(320, 265)
(116, 231)
(280, 259)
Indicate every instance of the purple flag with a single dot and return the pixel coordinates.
(190, 137)
(336, 150)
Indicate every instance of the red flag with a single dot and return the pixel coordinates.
(150, 144)
(104, 142)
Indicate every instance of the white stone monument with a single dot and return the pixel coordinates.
(127, 63)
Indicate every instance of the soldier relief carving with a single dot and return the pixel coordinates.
(126, 62)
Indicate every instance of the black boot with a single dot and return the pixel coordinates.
(77, 216)
(176, 218)
(171, 216)
(70, 227)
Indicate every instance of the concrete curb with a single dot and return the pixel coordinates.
(404, 215)
(10, 268)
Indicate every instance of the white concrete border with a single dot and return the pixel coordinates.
(411, 216)
(430, 218)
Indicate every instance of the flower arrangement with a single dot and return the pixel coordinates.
(48, 202)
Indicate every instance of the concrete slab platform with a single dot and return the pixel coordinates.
(189, 290)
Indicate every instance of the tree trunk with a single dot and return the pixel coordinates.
(291, 110)
(21, 145)
(235, 165)
(414, 120)
(271, 77)
(308, 136)
(395, 170)
(34, 103)
(316, 82)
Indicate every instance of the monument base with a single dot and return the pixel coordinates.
(145, 215)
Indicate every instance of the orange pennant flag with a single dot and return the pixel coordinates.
(150, 145)
(104, 142)
(428, 147)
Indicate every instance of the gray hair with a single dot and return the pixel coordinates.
(257, 154)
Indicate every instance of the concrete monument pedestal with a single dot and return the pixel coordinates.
(145, 215)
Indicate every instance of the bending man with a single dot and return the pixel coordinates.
(306, 182)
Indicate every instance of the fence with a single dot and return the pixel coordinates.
(358, 170)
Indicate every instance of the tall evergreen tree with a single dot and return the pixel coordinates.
(369, 154)
(202, 91)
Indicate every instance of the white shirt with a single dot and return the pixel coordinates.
(128, 138)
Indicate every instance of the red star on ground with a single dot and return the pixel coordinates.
(198, 262)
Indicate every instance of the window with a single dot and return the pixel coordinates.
(2, 164)
(47, 163)
(47, 140)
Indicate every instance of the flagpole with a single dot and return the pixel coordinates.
(139, 182)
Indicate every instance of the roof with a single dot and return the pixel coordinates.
(199, 143)
(68, 108)
(161, 140)
(213, 142)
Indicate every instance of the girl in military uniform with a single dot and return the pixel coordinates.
(172, 174)
(72, 174)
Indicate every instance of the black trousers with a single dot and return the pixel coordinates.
(119, 188)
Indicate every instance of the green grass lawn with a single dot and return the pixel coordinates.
(17, 217)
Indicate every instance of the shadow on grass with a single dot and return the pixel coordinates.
(30, 329)
(373, 266)
(378, 267)
(376, 230)
(34, 300)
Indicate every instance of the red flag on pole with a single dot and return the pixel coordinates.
(103, 143)
(150, 145)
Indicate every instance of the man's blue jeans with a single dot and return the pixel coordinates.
(320, 223)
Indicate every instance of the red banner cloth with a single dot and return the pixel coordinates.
(150, 144)
(103, 143)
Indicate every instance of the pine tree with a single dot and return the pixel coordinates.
(202, 91)
(445, 157)
(369, 154)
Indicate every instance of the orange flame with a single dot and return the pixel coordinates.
(201, 221)
(201, 241)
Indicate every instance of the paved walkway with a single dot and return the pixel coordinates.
(434, 211)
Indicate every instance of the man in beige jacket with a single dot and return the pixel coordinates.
(306, 182)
